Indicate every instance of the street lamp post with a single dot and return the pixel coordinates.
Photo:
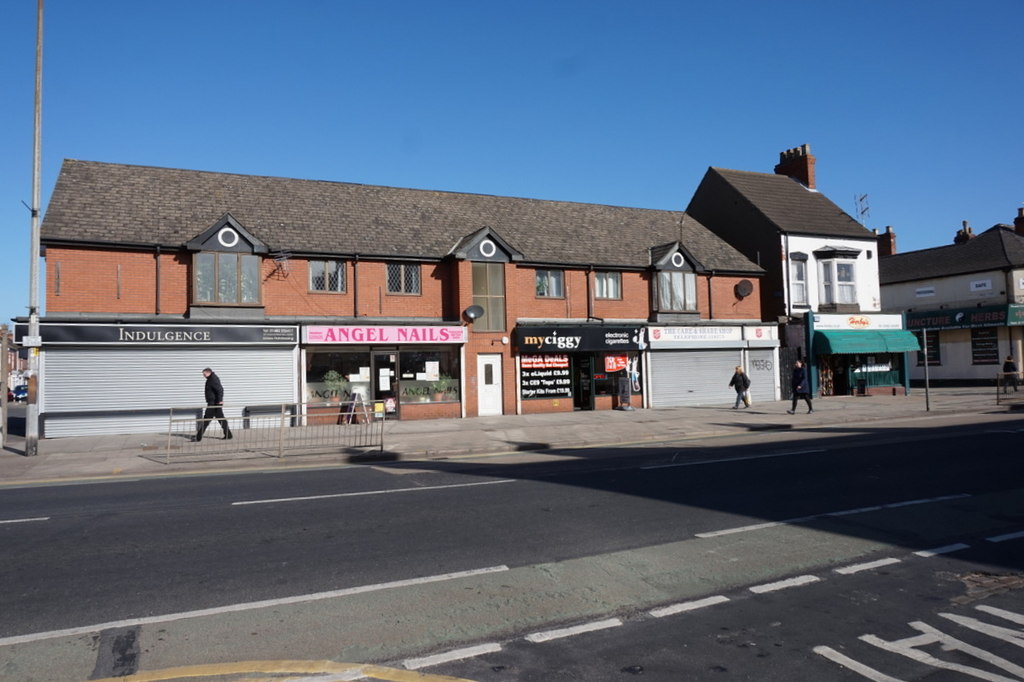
(32, 410)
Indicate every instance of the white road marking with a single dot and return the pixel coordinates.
(1008, 615)
(38, 518)
(846, 512)
(370, 492)
(785, 584)
(449, 656)
(726, 460)
(847, 662)
(927, 553)
(867, 566)
(1008, 536)
(248, 606)
(548, 635)
(687, 606)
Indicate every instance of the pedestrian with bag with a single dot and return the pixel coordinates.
(214, 405)
(801, 385)
(741, 383)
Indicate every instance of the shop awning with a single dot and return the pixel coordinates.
(850, 342)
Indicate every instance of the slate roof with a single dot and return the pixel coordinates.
(115, 204)
(997, 248)
(791, 206)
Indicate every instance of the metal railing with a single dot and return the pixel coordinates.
(274, 430)
(1007, 387)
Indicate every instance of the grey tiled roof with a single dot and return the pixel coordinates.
(997, 248)
(121, 204)
(791, 206)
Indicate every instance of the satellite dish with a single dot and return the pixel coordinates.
(744, 288)
(473, 312)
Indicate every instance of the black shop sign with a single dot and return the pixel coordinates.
(166, 335)
(571, 339)
(545, 376)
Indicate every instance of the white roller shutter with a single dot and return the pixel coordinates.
(100, 380)
(693, 377)
(764, 376)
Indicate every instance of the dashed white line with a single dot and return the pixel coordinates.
(247, 606)
(687, 606)
(549, 635)
(1008, 536)
(726, 460)
(38, 518)
(449, 656)
(926, 553)
(845, 512)
(371, 492)
(867, 566)
(785, 584)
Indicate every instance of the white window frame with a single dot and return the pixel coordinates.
(834, 290)
(798, 282)
(681, 290)
(608, 285)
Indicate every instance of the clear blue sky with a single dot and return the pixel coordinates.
(917, 104)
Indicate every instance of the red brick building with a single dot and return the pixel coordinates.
(437, 304)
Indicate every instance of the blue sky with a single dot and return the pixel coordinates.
(916, 104)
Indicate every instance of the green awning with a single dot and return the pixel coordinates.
(850, 342)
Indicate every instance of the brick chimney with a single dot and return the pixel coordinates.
(798, 164)
(886, 242)
(964, 234)
(1018, 222)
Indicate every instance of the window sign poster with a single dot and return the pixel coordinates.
(432, 370)
(545, 376)
(384, 379)
(615, 363)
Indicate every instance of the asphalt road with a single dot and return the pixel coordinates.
(240, 556)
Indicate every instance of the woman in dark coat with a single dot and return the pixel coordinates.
(801, 387)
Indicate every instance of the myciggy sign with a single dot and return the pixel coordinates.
(391, 334)
(548, 339)
(168, 335)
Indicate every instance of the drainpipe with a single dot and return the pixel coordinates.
(355, 286)
(157, 279)
(711, 299)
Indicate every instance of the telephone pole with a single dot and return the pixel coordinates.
(33, 339)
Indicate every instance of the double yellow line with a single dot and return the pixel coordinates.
(344, 671)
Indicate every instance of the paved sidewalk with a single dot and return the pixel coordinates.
(132, 456)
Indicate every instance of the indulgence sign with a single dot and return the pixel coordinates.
(391, 335)
(165, 335)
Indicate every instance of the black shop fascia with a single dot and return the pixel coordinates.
(577, 362)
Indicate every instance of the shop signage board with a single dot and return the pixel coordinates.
(370, 334)
(571, 339)
(163, 335)
(855, 321)
(545, 376)
(967, 318)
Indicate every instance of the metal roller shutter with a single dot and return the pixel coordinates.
(764, 375)
(693, 377)
(90, 379)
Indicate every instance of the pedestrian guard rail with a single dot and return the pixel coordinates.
(1007, 388)
(274, 430)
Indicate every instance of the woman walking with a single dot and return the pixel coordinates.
(801, 387)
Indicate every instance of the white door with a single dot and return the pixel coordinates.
(488, 385)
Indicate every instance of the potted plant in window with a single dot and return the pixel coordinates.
(335, 382)
(443, 385)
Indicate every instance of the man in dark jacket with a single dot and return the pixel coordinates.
(801, 387)
(214, 405)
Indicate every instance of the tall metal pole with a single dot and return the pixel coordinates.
(927, 396)
(32, 410)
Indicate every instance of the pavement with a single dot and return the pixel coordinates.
(114, 457)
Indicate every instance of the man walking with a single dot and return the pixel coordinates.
(214, 405)
(741, 382)
(801, 387)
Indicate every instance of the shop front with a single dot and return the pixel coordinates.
(564, 368)
(859, 354)
(125, 378)
(408, 372)
(693, 365)
(967, 345)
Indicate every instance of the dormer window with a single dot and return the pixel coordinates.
(227, 278)
(838, 267)
(226, 266)
(677, 286)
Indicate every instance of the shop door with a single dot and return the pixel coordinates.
(583, 382)
(488, 385)
(385, 385)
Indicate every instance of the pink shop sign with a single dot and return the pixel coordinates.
(396, 335)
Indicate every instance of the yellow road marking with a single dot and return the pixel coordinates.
(356, 670)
